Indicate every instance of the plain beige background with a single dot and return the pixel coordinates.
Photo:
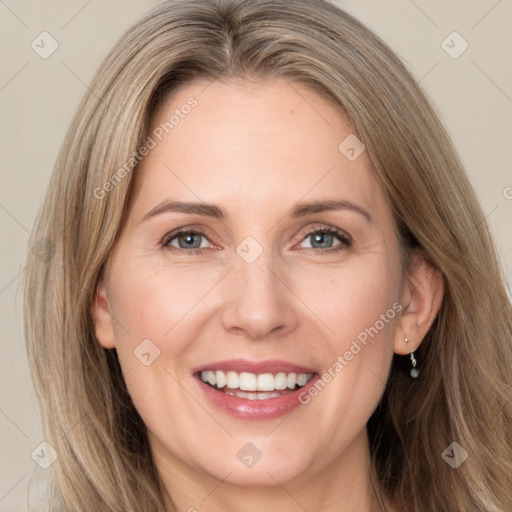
(38, 97)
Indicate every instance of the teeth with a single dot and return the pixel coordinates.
(266, 382)
(248, 382)
(231, 380)
(220, 377)
(211, 378)
(245, 381)
(252, 396)
(264, 396)
(280, 381)
(302, 378)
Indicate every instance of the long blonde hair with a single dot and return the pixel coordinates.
(463, 394)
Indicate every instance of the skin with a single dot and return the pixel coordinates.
(256, 150)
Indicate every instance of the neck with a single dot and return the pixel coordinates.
(342, 485)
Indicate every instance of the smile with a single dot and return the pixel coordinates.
(254, 390)
(251, 386)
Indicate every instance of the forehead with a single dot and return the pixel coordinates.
(251, 145)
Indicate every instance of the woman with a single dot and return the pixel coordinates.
(271, 286)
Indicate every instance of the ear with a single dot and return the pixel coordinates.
(102, 318)
(421, 297)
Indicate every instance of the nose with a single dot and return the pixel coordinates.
(259, 304)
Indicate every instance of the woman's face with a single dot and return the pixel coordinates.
(252, 298)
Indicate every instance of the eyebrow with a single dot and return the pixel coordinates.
(205, 209)
(303, 209)
(297, 211)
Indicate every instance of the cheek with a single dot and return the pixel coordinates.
(156, 314)
(351, 299)
(154, 305)
(358, 308)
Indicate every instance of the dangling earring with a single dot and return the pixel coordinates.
(414, 371)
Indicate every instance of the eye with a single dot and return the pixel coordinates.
(186, 239)
(320, 240)
(324, 239)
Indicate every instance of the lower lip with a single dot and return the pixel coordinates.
(245, 409)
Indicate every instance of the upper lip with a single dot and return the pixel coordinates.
(257, 367)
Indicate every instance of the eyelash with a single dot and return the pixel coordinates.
(344, 238)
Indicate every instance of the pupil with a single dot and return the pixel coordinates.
(189, 240)
(324, 239)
